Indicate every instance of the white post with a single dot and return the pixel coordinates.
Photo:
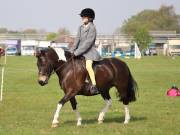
(2, 77)
(5, 57)
(2, 81)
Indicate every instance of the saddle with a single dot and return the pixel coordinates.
(88, 84)
(83, 61)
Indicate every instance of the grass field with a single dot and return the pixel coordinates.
(27, 108)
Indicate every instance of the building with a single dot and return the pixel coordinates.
(109, 43)
(65, 40)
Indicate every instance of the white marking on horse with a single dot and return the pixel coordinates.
(104, 110)
(61, 54)
(127, 115)
(79, 119)
(56, 115)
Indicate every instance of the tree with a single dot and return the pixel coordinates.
(42, 31)
(51, 36)
(63, 31)
(3, 30)
(163, 19)
(142, 38)
(13, 32)
(30, 31)
(117, 30)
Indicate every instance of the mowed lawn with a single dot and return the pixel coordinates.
(27, 108)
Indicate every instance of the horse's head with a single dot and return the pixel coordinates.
(45, 65)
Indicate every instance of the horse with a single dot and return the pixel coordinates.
(73, 78)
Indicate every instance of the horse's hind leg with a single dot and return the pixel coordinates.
(75, 109)
(123, 96)
(127, 115)
(108, 103)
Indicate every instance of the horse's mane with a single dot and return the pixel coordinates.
(67, 53)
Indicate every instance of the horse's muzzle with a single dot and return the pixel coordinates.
(43, 80)
(42, 83)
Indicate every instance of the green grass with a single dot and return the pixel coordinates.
(27, 108)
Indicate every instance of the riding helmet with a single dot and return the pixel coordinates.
(88, 12)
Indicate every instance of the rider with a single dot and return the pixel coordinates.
(85, 44)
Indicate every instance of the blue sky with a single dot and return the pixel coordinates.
(53, 14)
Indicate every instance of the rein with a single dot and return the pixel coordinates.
(63, 65)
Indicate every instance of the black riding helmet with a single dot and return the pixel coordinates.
(88, 12)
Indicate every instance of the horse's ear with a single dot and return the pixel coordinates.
(43, 52)
(38, 53)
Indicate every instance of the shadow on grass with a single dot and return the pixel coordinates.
(108, 120)
(121, 119)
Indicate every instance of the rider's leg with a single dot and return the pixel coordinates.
(91, 75)
(90, 71)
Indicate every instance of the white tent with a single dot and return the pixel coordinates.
(137, 54)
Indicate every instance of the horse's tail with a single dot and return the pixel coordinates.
(128, 93)
(132, 88)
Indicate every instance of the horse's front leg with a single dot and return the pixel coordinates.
(108, 103)
(55, 121)
(75, 109)
(104, 110)
(61, 103)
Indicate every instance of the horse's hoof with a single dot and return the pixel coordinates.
(79, 124)
(126, 122)
(55, 125)
(100, 122)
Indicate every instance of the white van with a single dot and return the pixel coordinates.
(28, 47)
(173, 47)
(43, 44)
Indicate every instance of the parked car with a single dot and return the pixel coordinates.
(150, 51)
(118, 52)
(129, 53)
(11, 51)
(173, 47)
(174, 50)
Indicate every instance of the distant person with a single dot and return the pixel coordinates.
(85, 44)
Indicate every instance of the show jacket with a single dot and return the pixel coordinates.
(85, 43)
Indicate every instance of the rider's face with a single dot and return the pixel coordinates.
(85, 20)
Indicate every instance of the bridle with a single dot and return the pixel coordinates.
(51, 67)
(71, 58)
